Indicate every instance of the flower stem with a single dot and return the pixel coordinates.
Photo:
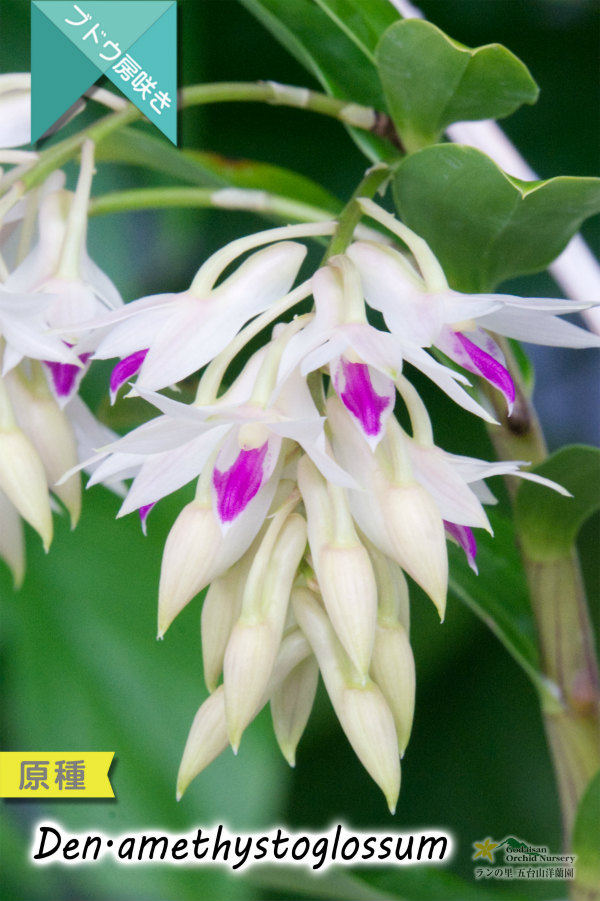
(220, 198)
(352, 212)
(54, 157)
(562, 618)
(280, 95)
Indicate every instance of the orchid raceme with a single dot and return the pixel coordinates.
(306, 489)
(302, 396)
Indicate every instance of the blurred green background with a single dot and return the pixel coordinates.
(80, 665)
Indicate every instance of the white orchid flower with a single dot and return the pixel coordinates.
(421, 311)
(166, 337)
(238, 437)
(63, 282)
(363, 361)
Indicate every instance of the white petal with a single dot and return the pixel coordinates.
(537, 328)
(164, 473)
(103, 286)
(408, 311)
(161, 434)
(455, 500)
(447, 380)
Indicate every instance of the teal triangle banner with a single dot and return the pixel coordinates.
(133, 43)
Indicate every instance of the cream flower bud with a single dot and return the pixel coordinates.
(393, 669)
(206, 740)
(291, 704)
(417, 538)
(197, 551)
(12, 544)
(190, 560)
(220, 610)
(395, 512)
(256, 637)
(22, 476)
(342, 565)
(360, 706)
(23, 480)
(208, 735)
(392, 588)
(51, 433)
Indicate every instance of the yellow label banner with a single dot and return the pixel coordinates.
(55, 774)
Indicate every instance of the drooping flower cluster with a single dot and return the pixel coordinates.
(48, 289)
(312, 503)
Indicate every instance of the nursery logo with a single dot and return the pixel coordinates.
(55, 774)
(520, 860)
(134, 43)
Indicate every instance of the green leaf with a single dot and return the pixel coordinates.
(364, 23)
(317, 42)
(547, 522)
(483, 225)
(431, 81)
(585, 840)
(136, 148)
(211, 169)
(498, 595)
(320, 41)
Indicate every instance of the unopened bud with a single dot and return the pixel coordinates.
(349, 592)
(342, 565)
(393, 602)
(12, 544)
(256, 637)
(417, 539)
(291, 705)
(190, 560)
(220, 610)
(206, 740)
(208, 735)
(23, 480)
(51, 433)
(367, 721)
(360, 705)
(393, 669)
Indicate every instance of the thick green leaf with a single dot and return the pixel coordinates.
(211, 169)
(364, 23)
(483, 225)
(431, 81)
(343, 65)
(322, 47)
(585, 840)
(136, 148)
(498, 595)
(547, 522)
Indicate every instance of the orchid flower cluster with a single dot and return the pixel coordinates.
(45, 428)
(313, 504)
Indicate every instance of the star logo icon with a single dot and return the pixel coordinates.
(485, 849)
